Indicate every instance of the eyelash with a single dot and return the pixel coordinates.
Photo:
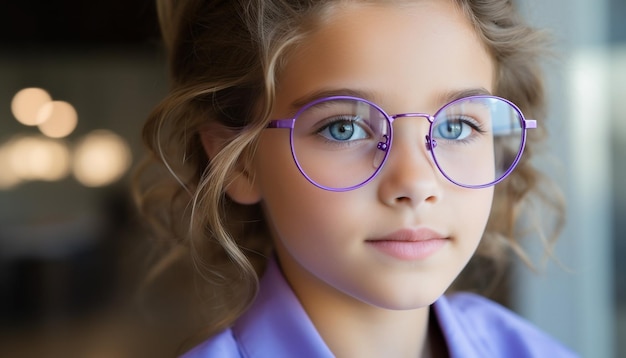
(465, 120)
(357, 123)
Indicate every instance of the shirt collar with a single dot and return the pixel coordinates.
(459, 340)
(276, 325)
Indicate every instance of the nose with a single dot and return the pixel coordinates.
(410, 177)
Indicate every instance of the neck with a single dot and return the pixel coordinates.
(368, 331)
(352, 328)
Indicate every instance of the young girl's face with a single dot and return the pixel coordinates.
(399, 241)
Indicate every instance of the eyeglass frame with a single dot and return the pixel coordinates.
(289, 123)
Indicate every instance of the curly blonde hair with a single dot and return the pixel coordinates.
(224, 58)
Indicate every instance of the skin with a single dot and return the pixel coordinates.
(364, 302)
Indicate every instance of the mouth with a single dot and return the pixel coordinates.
(410, 245)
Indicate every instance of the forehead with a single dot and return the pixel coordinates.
(388, 47)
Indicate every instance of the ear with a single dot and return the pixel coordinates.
(242, 189)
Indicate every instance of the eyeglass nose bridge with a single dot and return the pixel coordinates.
(430, 143)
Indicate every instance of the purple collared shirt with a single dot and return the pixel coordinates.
(277, 326)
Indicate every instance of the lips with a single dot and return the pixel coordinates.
(410, 245)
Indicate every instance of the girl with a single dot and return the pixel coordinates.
(349, 152)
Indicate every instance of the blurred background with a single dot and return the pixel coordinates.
(70, 252)
(77, 79)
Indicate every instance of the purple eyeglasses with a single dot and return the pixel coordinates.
(341, 143)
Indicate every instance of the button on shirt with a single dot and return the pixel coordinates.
(276, 326)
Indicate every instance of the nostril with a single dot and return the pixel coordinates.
(411, 200)
(403, 199)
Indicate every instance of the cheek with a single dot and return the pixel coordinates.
(473, 209)
(291, 203)
(311, 224)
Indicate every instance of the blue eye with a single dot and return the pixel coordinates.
(457, 128)
(342, 130)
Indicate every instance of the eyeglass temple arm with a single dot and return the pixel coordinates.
(281, 123)
(526, 124)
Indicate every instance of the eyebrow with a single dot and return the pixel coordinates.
(443, 98)
(450, 96)
(308, 98)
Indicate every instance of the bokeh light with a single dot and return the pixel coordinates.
(8, 177)
(101, 158)
(61, 119)
(27, 106)
(37, 158)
